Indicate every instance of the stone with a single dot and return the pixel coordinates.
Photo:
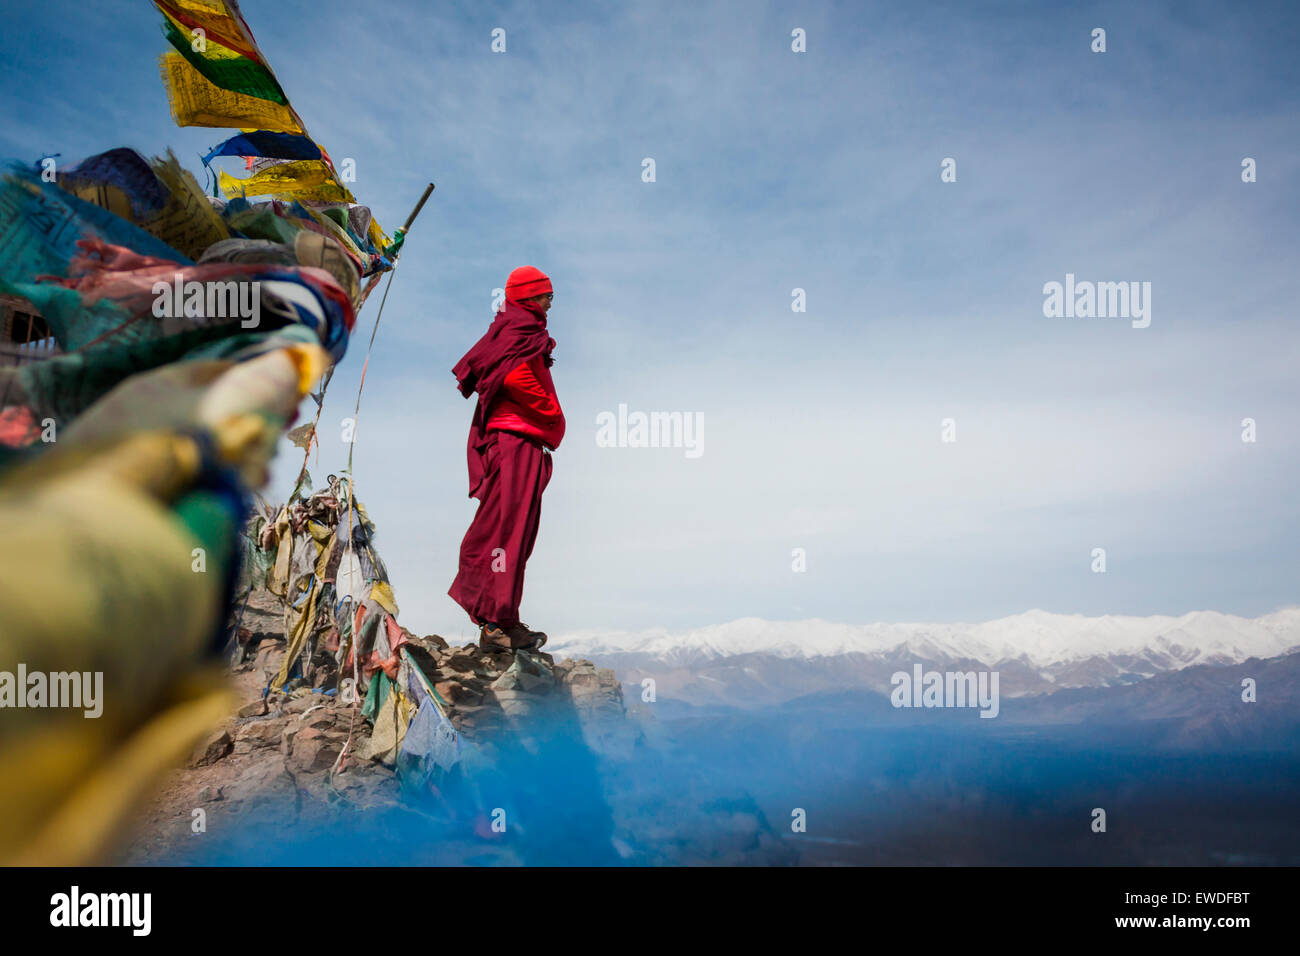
(499, 657)
(296, 705)
(516, 704)
(314, 750)
(256, 708)
(528, 663)
(582, 676)
(212, 748)
(527, 677)
(262, 781)
(457, 692)
(257, 734)
(269, 652)
(459, 661)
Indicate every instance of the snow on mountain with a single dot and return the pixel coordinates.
(1037, 638)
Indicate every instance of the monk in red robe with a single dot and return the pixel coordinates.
(516, 425)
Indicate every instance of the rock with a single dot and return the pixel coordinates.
(590, 687)
(516, 704)
(433, 640)
(582, 677)
(212, 748)
(314, 750)
(269, 653)
(459, 661)
(296, 705)
(426, 657)
(375, 785)
(529, 664)
(526, 677)
(323, 719)
(209, 794)
(257, 734)
(264, 782)
(256, 708)
(457, 692)
(497, 657)
(597, 698)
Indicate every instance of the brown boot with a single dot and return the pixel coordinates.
(538, 637)
(513, 637)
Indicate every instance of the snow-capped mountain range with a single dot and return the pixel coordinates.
(753, 660)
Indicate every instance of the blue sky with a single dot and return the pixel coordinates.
(820, 171)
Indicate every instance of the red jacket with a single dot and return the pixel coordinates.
(527, 404)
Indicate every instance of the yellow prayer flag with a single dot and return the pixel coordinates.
(300, 179)
(381, 592)
(188, 223)
(211, 47)
(215, 19)
(378, 238)
(197, 102)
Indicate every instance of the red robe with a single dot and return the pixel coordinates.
(508, 470)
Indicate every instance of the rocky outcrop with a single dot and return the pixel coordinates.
(539, 736)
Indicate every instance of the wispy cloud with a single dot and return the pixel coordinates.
(820, 171)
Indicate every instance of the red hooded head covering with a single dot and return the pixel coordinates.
(526, 282)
